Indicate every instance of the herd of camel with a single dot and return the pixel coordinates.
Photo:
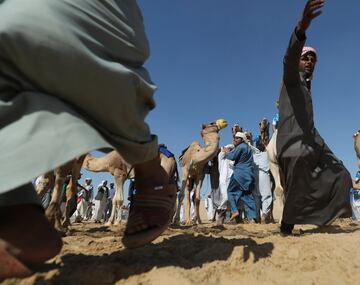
(193, 161)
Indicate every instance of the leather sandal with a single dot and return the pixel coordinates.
(151, 211)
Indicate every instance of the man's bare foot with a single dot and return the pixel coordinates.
(26, 229)
(234, 216)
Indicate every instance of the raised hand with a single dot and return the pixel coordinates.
(311, 11)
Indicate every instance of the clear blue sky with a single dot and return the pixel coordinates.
(223, 59)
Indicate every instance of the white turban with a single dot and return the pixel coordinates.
(242, 135)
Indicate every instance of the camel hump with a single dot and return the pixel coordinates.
(186, 154)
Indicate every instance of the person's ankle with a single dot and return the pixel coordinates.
(286, 229)
(150, 174)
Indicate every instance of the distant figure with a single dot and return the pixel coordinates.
(263, 181)
(355, 198)
(100, 202)
(84, 198)
(109, 201)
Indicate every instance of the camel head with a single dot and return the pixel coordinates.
(264, 125)
(213, 127)
(249, 136)
(236, 128)
(264, 131)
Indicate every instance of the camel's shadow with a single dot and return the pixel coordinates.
(184, 251)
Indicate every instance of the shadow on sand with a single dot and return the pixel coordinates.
(184, 251)
(332, 229)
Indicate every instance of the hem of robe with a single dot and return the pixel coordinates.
(342, 213)
(48, 133)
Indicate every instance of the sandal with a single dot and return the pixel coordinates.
(10, 265)
(151, 211)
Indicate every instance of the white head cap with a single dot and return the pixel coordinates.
(241, 135)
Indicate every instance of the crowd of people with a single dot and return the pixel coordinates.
(98, 50)
(86, 205)
(241, 181)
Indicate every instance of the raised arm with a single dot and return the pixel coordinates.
(297, 41)
(233, 154)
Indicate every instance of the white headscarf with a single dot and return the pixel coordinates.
(243, 136)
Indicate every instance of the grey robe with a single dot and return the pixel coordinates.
(316, 182)
(71, 81)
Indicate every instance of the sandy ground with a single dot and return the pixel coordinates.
(206, 254)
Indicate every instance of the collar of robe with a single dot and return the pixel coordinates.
(306, 80)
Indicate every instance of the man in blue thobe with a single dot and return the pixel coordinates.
(242, 181)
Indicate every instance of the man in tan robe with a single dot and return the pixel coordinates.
(72, 81)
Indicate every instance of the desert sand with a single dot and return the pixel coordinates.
(207, 254)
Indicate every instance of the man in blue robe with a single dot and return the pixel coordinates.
(242, 182)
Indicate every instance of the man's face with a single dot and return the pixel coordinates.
(237, 141)
(307, 63)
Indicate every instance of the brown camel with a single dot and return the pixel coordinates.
(236, 128)
(264, 131)
(55, 180)
(193, 162)
(114, 163)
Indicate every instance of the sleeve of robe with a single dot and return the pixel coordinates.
(292, 59)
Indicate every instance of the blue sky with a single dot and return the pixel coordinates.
(223, 59)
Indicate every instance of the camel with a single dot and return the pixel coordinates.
(264, 131)
(114, 163)
(193, 162)
(278, 204)
(236, 128)
(55, 179)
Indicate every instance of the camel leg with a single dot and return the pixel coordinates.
(118, 200)
(71, 189)
(53, 212)
(189, 186)
(278, 204)
(197, 201)
(181, 196)
(180, 200)
(66, 221)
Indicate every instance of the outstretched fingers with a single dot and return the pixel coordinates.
(313, 9)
